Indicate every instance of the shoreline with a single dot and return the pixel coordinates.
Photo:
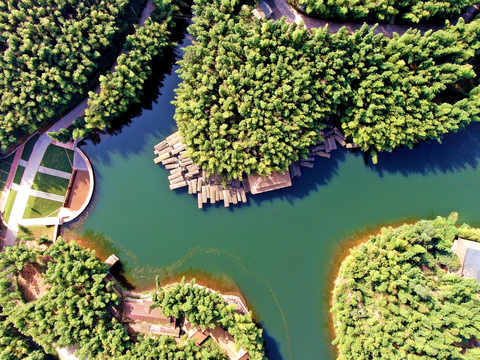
(228, 298)
(360, 237)
(206, 281)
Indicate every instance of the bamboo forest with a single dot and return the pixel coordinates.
(239, 179)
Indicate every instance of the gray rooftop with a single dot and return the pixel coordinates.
(469, 254)
(471, 266)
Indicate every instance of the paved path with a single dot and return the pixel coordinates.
(54, 172)
(282, 8)
(78, 162)
(31, 168)
(48, 196)
(25, 187)
(49, 221)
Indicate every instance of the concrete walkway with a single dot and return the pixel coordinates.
(53, 172)
(48, 196)
(31, 168)
(45, 221)
(283, 8)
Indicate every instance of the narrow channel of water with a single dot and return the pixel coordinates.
(280, 248)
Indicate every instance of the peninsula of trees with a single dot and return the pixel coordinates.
(75, 310)
(394, 299)
(201, 307)
(255, 93)
(413, 11)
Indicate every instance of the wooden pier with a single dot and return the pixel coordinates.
(171, 153)
(112, 260)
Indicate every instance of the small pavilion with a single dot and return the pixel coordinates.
(469, 254)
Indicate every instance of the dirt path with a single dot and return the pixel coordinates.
(283, 8)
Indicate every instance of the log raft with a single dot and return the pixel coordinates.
(171, 153)
(332, 139)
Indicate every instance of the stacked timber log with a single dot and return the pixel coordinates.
(332, 138)
(184, 173)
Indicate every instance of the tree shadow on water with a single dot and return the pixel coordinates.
(135, 119)
(458, 151)
(312, 178)
(272, 346)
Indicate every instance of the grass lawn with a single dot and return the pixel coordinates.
(5, 166)
(9, 205)
(37, 231)
(6, 163)
(27, 150)
(18, 175)
(50, 184)
(39, 207)
(58, 158)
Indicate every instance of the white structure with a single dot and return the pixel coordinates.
(469, 254)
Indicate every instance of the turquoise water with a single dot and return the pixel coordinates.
(280, 248)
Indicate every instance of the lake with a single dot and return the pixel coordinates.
(282, 248)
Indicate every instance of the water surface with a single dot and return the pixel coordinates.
(280, 248)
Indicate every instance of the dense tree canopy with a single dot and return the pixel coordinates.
(249, 100)
(14, 345)
(255, 94)
(76, 311)
(205, 308)
(374, 10)
(410, 88)
(49, 50)
(394, 298)
(122, 87)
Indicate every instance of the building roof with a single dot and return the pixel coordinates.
(263, 10)
(112, 260)
(259, 184)
(199, 337)
(140, 310)
(469, 255)
(163, 330)
(221, 337)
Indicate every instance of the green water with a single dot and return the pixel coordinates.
(278, 249)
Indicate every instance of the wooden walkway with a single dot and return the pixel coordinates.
(171, 153)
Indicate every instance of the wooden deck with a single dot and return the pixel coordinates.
(260, 184)
(332, 140)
